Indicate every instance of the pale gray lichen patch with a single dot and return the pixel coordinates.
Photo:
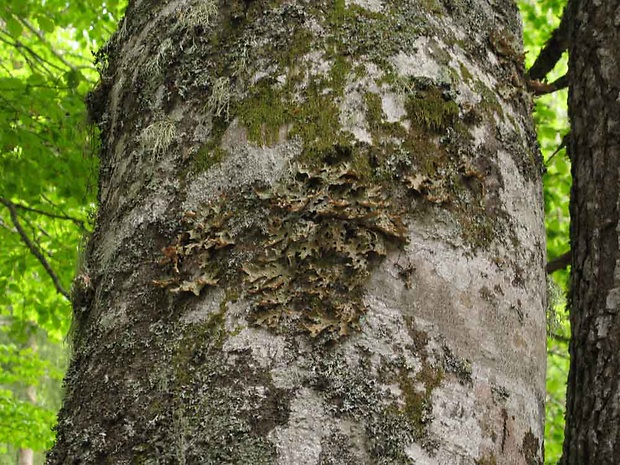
(299, 442)
(159, 135)
(376, 6)
(245, 166)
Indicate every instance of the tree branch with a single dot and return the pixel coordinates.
(33, 248)
(542, 88)
(559, 263)
(552, 51)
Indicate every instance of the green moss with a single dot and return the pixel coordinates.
(487, 459)
(316, 120)
(432, 110)
(417, 393)
(374, 111)
(208, 156)
(465, 74)
(264, 113)
(300, 43)
(338, 73)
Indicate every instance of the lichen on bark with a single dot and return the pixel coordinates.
(300, 205)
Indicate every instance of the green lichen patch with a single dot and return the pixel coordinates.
(194, 260)
(326, 231)
(305, 266)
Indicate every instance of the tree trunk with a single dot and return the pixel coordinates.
(25, 457)
(593, 394)
(320, 240)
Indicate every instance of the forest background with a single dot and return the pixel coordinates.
(48, 181)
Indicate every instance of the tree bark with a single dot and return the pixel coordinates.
(592, 434)
(320, 240)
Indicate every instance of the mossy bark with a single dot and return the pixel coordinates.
(320, 240)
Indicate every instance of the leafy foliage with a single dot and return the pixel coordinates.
(47, 191)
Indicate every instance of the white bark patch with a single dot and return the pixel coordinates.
(383, 333)
(139, 216)
(245, 166)
(393, 105)
(470, 304)
(267, 349)
(420, 63)
(372, 5)
(454, 411)
(353, 115)
(419, 455)
(208, 305)
(480, 134)
(300, 442)
(518, 195)
(353, 108)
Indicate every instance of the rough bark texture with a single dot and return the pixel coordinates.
(593, 397)
(320, 240)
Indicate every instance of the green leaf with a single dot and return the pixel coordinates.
(73, 78)
(45, 24)
(14, 27)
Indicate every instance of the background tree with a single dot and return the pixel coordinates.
(593, 408)
(348, 199)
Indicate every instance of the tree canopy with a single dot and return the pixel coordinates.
(47, 196)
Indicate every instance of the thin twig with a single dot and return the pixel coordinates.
(76, 221)
(560, 338)
(33, 248)
(563, 145)
(41, 37)
(20, 46)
